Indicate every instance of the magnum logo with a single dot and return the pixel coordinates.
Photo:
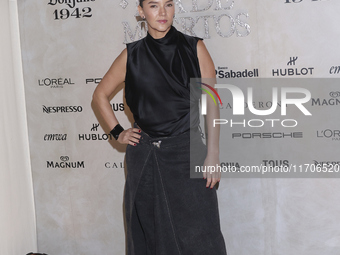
(65, 163)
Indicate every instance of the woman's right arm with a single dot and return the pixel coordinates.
(101, 98)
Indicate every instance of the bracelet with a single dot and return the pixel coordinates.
(116, 131)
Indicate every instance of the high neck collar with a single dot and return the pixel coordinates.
(169, 38)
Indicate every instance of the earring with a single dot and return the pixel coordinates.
(143, 17)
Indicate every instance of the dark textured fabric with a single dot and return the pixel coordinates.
(167, 212)
(157, 83)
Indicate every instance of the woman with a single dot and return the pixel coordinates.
(167, 212)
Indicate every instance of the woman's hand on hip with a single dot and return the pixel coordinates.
(214, 176)
(130, 136)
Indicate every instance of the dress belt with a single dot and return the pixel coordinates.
(159, 142)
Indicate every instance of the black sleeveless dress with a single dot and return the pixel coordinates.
(157, 83)
(166, 211)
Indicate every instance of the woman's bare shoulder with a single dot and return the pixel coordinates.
(114, 76)
(119, 64)
(206, 63)
(122, 57)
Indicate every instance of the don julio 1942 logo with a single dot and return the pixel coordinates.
(70, 9)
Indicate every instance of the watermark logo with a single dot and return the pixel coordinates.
(204, 97)
(243, 100)
(239, 101)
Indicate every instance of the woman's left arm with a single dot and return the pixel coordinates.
(209, 77)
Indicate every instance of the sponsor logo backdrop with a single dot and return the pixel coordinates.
(79, 170)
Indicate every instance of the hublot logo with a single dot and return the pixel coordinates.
(293, 71)
(292, 61)
(94, 136)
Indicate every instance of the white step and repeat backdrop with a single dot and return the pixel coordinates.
(78, 170)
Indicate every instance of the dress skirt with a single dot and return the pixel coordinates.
(166, 211)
